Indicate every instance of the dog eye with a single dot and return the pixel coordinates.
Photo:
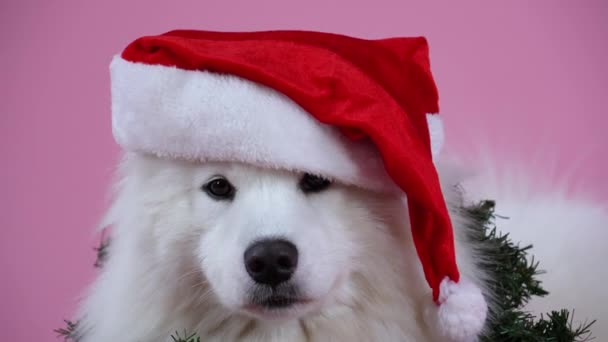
(220, 189)
(311, 183)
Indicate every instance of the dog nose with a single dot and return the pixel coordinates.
(271, 261)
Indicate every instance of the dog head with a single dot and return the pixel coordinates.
(268, 243)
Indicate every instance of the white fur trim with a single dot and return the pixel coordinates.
(200, 115)
(461, 313)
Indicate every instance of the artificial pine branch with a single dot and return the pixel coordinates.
(555, 327)
(512, 277)
(185, 338)
(102, 250)
(513, 281)
(69, 333)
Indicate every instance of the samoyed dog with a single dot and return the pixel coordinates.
(234, 252)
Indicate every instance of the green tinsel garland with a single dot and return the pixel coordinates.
(512, 280)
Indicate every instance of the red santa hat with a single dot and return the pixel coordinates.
(357, 111)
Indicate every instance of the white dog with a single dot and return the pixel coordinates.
(243, 251)
(185, 255)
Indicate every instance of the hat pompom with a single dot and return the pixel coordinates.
(461, 311)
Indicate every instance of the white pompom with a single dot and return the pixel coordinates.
(461, 313)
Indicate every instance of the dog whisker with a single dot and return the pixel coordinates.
(200, 285)
(247, 329)
(202, 297)
(219, 326)
(305, 330)
(194, 271)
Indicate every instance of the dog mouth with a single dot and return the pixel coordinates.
(278, 302)
(268, 301)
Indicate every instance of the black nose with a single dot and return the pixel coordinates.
(271, 261)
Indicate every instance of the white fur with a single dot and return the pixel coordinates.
(436, 133)
(176, 259)
(176, 256)
(201, 115)
(568, 231)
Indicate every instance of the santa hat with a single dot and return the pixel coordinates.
(353, 110)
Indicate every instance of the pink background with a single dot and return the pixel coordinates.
(527, 72)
